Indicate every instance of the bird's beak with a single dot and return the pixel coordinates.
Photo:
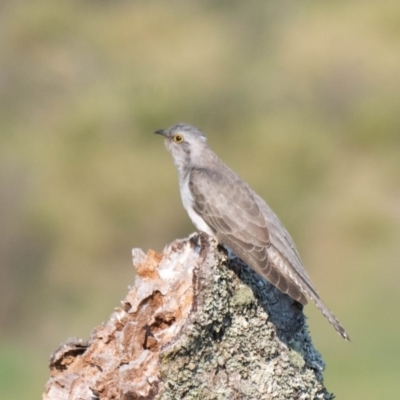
(161, 132)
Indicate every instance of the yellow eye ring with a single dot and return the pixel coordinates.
(178, 138)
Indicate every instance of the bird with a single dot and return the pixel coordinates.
(222, 205)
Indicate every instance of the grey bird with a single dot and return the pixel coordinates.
(222, 205)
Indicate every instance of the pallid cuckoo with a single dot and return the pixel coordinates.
(222, 205)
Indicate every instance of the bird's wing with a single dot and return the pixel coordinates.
(229, 208)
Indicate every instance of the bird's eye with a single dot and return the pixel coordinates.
(178, 138)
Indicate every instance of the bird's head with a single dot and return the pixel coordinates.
(186, 144)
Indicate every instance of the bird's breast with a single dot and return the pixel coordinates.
(187, 200)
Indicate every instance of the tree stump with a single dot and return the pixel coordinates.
(196, 324)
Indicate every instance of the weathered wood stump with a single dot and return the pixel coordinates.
(195, 325)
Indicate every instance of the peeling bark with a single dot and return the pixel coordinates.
(195, 325)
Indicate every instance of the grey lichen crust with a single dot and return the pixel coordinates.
(244, 339)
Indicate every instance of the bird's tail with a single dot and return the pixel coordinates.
(301, 288)
(313, 295)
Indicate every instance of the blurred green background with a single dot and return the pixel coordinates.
(302, 99)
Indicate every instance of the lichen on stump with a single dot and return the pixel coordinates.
(195, 325)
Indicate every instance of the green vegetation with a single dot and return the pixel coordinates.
(301, 99)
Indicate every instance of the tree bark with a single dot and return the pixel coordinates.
(196, 324)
